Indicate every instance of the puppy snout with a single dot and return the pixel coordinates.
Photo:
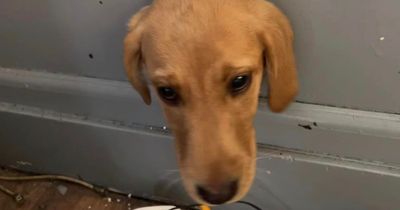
(219, 194)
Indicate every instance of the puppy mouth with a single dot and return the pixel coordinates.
(225, 191)
(220, 195)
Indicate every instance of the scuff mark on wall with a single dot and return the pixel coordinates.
(308, 126)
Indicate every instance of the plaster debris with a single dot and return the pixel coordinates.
(129, 195)
(109, 200)
(89, 207)
(24, 163)
(118, 200)
(382, 38)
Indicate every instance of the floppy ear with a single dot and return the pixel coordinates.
(132, 55)
(277, 37)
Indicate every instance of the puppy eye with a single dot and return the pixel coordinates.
(169, 95)
(240, 84)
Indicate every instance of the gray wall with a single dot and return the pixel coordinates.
(58, 36)
(64, 112)
(342, 60)
(338, 44)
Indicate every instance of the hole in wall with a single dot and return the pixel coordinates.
(91, 56)
(100, 2)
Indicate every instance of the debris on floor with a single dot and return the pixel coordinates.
(47, 195)
(62, 189)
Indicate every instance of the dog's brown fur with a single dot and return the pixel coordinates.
(197, 47)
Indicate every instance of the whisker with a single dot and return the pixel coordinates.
(172, 170)
(173, 183)
(169, 173)
(263, 170)
(263, 157)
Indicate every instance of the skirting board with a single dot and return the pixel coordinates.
(350, 133)
(141, 161)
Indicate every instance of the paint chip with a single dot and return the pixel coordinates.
(269, 172)
(290, 158)
(89, 207)
(382, 38)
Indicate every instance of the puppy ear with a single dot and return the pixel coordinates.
(132, 55)
(277, 38)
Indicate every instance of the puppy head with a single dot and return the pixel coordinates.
(206, 59)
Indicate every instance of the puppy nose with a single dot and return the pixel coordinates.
(219, 195)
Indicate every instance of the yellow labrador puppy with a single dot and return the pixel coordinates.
(206, 60)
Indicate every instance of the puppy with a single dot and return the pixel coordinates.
(206, 60)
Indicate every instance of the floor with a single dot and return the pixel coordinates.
(48, 195)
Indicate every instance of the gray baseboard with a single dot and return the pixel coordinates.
(76, 126)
